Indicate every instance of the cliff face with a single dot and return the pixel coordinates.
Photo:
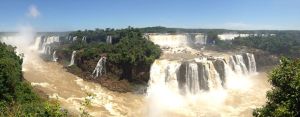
(264, 60)
(84, 68)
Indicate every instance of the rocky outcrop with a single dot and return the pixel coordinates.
(84, 67)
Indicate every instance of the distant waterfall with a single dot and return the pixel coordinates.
(54, 57)
(177, 40)
(37, 43)
(195, 76)
(83, 39)
(74, 38)
(100, 68)
(109, 39)
(44, 44)
(72, 58)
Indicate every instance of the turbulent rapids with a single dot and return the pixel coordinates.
(179, 85)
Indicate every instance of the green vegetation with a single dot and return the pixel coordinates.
(286, 44)
(16, 96)
(133, 50)
(284, 98)
(128, 55)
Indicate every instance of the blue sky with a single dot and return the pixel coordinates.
(64, 15)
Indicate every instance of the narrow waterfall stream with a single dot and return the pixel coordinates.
(72, 58)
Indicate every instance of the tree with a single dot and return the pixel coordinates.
(16, 96)
(133, 50)
(212, 37)
(284, 98)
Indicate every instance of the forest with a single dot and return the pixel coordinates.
(129, 56)
(17, 98)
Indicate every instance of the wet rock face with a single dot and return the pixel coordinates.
(265, 60)
(219, 65)
(181, 76)
(203, 76)
(245, 57)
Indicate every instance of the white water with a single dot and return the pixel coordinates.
(100, 68)
(72, 58)
(83, 39)
(109, 39)
(44, 43)
(243, 90)
(177, 40)
(54, 57)
(192, 78)
(252, 65)
(74, 38)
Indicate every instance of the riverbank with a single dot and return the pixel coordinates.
(71, 91)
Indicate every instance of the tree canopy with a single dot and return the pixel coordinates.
(16, 96)
(132, 50)
(129, 50)
(284, 98)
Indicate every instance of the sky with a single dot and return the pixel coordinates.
(68, 15)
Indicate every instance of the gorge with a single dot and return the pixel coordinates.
(183, 82)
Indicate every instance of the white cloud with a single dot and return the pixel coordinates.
(33, 12)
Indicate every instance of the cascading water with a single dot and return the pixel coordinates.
(44, 43)
(74, 38)
(176, 85)
(194, 76)
(100, 68)
(83, 39)
(37, 43)
(109, 39)
(252, 63)
(177, 40)
(54, 57)
(72, 58)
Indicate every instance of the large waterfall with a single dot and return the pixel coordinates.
(43, 43)
(195, 76)
(72, 58)
(207, 86)
(177, 40)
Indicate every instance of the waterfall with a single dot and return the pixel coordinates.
(45, 43)
(54, 57)
(238, 65)
(83, 39)
(46, 49)
(240, 62)
(214, 80)
(164, 75)
(192, 78)
(72, 58)
(200, 39)
(200, 74)
(74, 38)
(109, 39)
(100, 68)
(177, 40)
(37, 43)
(252, 63)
